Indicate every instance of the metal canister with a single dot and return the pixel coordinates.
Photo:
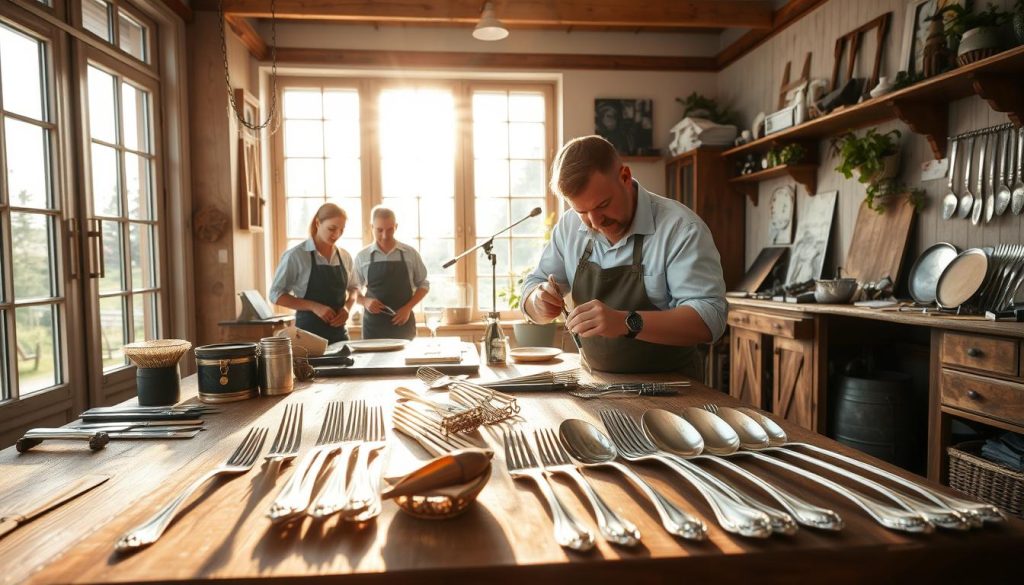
(276, 376)
(227, 372)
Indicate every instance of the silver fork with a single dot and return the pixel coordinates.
(333, 497)
(422, 427)
(436, 379)
(294, 496)
(289, 436)
(239, 462)
(361, 490)
(635, 446)
(555, 460)
(521, 463)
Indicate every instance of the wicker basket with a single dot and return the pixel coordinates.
(980, 478)
(976, 55)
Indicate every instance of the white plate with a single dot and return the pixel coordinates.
(377, 344)
(534, 354)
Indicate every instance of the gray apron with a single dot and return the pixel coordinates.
(327, 285)
(622, 288)
(388, 282)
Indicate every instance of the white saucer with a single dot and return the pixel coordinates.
(534, 354)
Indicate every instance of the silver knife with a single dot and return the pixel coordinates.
(185, 424)
(66, 493)
(153, 434)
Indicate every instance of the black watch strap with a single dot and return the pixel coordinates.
(634, 324)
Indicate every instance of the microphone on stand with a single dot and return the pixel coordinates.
(490, 241)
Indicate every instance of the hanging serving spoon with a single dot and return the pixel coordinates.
(1017, 197)
(990, 199)
(967, 199)
(949, 202)
(1003, 193)
(979, 197)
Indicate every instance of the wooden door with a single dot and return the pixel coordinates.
(746, 366)
(792, 387)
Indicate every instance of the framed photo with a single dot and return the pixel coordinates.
(807, 256)
(915, 32)
(626, 123)
(250, 186)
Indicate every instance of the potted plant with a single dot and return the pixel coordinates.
(1018, 21)
(528, 334)
(975, 33)
(699, 106)
(874, 156)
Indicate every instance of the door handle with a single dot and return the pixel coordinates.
(95, 236)
(74, 261)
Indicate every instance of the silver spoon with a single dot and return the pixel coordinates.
(949, 202)
(1002, 200)
(972, 510)
(588, 445)
(1017, 197)
(664, 427)
(979, 197)
(751, 441)
(967, 199)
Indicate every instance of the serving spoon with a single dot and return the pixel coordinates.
(672, 433)
(1002, 197)
(1017, 197)
(974, 511)
(592, 448)
(949, 202)
(967, 199)
(979, 197)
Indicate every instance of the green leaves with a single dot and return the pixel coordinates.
(864, 154)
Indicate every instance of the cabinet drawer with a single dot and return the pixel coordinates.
(990, 354)
(779, 325)
(984, 396)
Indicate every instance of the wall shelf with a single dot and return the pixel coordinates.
(805, 174)
(924, 106)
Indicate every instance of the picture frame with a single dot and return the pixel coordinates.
(626, 123)
(250, 184)
(807, 255)
(254, 306)
(915, 32)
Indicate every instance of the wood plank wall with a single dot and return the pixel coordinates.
(751, 85)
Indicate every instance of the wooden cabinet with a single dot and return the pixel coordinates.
(746, 366)
(698, 179)
(793, 395)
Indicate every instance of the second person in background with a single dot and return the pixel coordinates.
(392, 280)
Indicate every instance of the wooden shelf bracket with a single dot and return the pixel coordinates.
(1003, 94)
(806, 176)
(748, 189)
(930, 119)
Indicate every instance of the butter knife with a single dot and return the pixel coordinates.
(66, 493)
(579, 342)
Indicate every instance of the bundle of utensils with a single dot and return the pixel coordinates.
(716, 436)
(993, 192)
(1002, 279)
(561, 381)
(102, 424)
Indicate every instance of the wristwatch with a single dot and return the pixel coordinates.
(634, 323)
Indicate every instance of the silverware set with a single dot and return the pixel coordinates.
(998, 186)
(1002, 279)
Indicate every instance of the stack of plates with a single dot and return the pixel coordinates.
(981, 279)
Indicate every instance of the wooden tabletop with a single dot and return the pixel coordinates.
(506, 537)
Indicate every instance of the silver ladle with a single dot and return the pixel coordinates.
(974, 511)
(588, 445)
(751, 441)
(676, 436)
(660, 424)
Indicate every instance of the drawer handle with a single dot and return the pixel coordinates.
(973, 395)
(974, 352)
(776, 326)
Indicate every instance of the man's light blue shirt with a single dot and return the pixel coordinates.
(681, 263)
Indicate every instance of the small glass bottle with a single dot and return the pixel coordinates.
(494, 343)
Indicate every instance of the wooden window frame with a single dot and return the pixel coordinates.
(152, 59)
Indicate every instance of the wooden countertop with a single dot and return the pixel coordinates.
(506, 537)
(967, 323)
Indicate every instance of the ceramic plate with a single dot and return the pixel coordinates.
(962, 278)
(924, 275)
(534, 354)
(377, 344)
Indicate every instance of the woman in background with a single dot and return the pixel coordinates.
(315, 278)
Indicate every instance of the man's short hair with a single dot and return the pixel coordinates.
(381, 212)
(578, 160)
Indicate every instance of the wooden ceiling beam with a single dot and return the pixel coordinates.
(793, 11)
(658, 14)
(249, 37)
(179, 8)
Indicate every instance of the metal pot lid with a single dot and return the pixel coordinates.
(962, 278)
(924, 275)
(226, 350)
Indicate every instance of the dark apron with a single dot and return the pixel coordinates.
(328, 285)
(388, 282)
(622, 288)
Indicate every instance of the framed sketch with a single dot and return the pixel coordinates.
(915, 32)
(254, 306)
(780, 226)
(250, 187)
(627, 124)
(807, 256)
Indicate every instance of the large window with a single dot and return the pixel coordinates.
(119, 25)
(457, 161)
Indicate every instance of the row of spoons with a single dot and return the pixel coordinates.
(716, 434)
(1008, 193)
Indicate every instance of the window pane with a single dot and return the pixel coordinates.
(5, 388)
(341, 105)
(32, 262)
(28, 172)
(36, 330)
(528, 178)
(407, 215)
(491, 216)
(526, 254)
(483, 291)
(133, 36)
(490, 140)
(112, 332)
(113, 279)
(106, 200)
(533, 226)
(526, 107)
(342, 138)
(434, 252)
(443, 293)
(526, 140)
(500, 250)
(139, 186)
(21, 65)
(303, 138)
(135, 118)
(303, 177)
(353, 207)
(397, 181)
(145, 317)
(96, 18)
(436, 218)
(300, 214)
(344, 178)
(490, 178)
(490, 107)
(302, 103)
(142, 244)
(102, 120)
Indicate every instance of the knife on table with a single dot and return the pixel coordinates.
(68, 492)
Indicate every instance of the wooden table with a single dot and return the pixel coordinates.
(504, 538)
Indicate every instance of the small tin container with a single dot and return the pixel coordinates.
(227, 372)
(276, 376)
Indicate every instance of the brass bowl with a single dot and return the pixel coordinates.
(444, 503)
